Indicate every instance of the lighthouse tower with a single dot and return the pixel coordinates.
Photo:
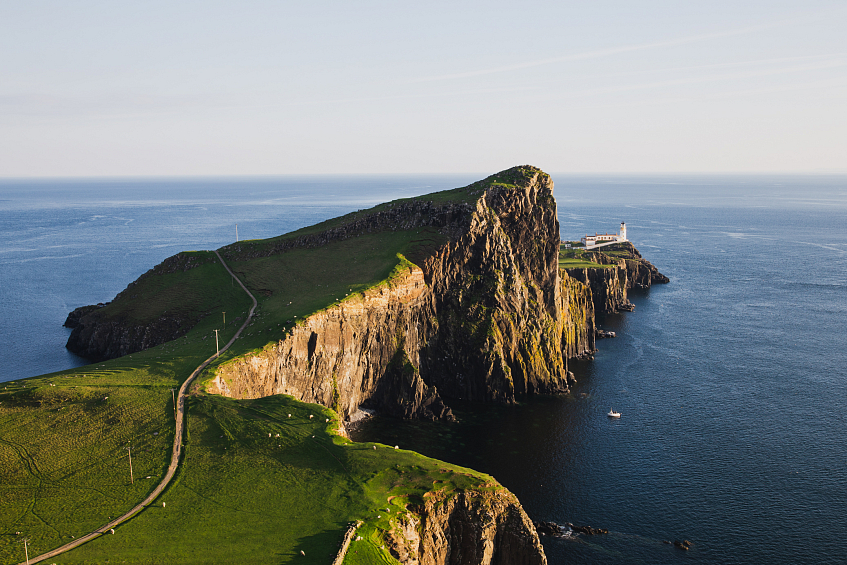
(623, 232)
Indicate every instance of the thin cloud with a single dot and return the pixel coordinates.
(614, 50)
(710, 78)
(818, 86)
(750, 63)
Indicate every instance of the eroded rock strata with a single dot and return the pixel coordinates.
(485, 528)
(484, 317)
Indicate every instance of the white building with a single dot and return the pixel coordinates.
(605, 238)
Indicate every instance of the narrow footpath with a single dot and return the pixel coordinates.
(177, 449)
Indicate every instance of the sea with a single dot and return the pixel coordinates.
(731, 379)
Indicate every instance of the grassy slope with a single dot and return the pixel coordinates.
(237, 498)
(574, 259)
(192, 295)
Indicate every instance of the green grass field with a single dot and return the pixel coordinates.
(239, 496)
(247, 497)
(64, 467)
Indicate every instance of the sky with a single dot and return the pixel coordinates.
(181, 88)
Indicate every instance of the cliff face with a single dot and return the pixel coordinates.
(577, 307)
(481, 318)
(348, 354)
(98, 340)
(485, 528)
(608, 287)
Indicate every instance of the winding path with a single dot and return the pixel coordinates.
(177, 450)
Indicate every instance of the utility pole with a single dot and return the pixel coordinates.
(131, 478)
(236, 233)
(224, 318)
(173, 395)
(26, 550)
(217, 347)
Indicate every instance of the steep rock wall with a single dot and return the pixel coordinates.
(97, 340)
(608, 287)
(340, 357)
(481, 319)
(578, 326)
(470, 528)
(640, 272)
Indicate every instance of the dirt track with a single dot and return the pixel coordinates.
(177, 449)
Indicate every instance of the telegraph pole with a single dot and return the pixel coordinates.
(129, 453)
(236, 233)
(224, 318)
(173, 395)
(26, 550)
(217, 347)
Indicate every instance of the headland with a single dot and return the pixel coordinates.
(463, 294)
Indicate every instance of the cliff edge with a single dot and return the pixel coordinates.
(477, 317)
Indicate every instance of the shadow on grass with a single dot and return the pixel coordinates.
(320, 548)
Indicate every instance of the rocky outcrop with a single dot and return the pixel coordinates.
(640, 272)
(98, 339)
(100, 333)
(609, 285)
(74, 318)
(481, 318)
(468, 528)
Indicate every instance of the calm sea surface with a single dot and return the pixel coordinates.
(732, 379)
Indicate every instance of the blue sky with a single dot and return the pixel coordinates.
(251, 87)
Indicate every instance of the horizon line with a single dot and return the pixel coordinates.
(214, 176)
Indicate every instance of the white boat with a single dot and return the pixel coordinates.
(613, 414)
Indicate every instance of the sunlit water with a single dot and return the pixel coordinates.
(731, 379)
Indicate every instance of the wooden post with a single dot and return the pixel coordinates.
(217, 347)
(129, 453)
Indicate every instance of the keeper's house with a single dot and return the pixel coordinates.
(604, 238)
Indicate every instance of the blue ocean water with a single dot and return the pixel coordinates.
(731, 379)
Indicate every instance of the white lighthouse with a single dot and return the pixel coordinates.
(623, 232)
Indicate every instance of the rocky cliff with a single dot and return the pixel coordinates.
(577, 307)
(470, 528)
(479, 318)
(627, 270)
(481, 313)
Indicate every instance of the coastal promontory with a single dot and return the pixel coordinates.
(401, 309)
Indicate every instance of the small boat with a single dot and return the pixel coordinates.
(613, 414)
